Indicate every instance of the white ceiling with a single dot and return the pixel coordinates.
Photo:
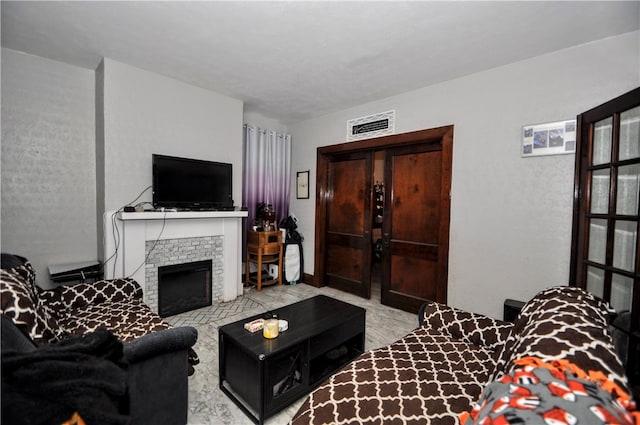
(300, 59)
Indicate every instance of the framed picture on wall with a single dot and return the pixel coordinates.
(552, 138)
(302, 185)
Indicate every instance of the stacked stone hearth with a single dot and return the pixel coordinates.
(169, 252)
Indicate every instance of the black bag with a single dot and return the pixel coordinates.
(292, 236)
(288, 223)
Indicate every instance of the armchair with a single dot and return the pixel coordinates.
(158, 356)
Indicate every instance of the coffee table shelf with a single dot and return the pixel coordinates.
(263, 376)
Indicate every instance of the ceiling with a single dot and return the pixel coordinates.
(296, 60)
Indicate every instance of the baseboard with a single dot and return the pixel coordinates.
(310, 279)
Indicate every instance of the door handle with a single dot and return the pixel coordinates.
(386, 240)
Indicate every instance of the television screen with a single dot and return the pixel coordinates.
(191, 184)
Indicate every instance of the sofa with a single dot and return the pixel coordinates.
(157, 357)
(461, 367)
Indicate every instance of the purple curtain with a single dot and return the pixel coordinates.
(266, 172)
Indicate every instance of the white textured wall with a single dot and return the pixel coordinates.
(48, 161)
(263, 122)
(510, 216)
(146, 113)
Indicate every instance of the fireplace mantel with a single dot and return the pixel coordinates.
(176, 215)
(139, 227)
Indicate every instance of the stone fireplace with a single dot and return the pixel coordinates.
(156, 239)
(175, 252)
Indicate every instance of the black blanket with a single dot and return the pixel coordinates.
(82, 374)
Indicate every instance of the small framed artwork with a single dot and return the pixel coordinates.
(302, 185)
(552, 138)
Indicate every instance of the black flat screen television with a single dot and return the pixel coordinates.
(191, 184)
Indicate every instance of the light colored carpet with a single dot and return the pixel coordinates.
(208, 405)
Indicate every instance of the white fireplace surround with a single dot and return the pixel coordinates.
(136, 228)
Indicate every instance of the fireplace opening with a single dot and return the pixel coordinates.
(184, 287)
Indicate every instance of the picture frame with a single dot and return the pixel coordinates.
(553, 138)
(302, 185)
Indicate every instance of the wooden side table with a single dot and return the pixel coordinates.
(264, 248)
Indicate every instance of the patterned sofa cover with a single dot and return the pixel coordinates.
(436, 373)
(160, 356)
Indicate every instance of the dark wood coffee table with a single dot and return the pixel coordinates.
(263, 376)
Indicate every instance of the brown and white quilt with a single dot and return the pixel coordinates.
(53, 314)
(437, 372)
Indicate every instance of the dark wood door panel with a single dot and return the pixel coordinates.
(354, 241)
(415, 200)
(415, 250)
(346, 211)
(347, 237)
(346, 262)
(415, 231)
(410, 274)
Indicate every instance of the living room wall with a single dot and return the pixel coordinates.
(510, 216)
(48, 161)
(63, 165)
(146, 113)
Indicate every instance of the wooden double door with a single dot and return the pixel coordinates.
(415, 225)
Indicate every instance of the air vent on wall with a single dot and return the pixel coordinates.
(376, 125)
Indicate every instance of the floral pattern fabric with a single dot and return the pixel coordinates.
(556, 393)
